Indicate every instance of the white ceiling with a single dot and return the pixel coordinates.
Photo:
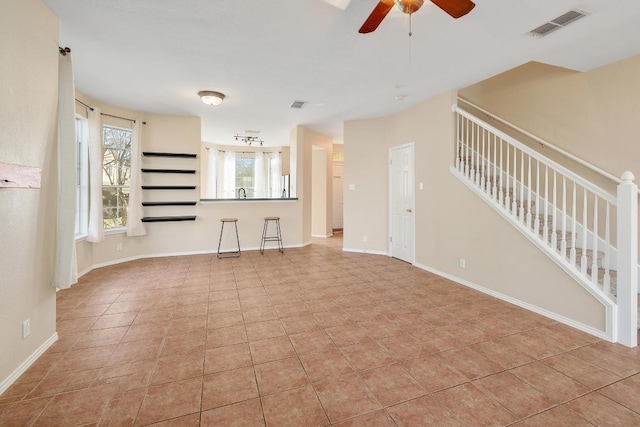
(155, 55)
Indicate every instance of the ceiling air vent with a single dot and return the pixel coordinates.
(559, 22)
(298, 104)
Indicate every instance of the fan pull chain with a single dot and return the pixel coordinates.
(410, 50)
(410, 32)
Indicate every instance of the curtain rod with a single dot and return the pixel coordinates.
(108, 115)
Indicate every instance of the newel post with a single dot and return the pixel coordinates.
(627, 330)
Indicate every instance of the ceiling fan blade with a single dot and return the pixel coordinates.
(377, 15)
(455, 8)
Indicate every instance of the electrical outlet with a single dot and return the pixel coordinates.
(463, 263)
(365, 238)
(26, 328)
(119, 246)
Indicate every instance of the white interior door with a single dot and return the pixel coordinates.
(401, 193)
(338, 200)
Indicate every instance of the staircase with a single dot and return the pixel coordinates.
(567, 217)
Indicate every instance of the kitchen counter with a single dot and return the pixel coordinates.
(266, 199)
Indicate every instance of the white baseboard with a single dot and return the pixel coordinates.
(169, 254)
(551, 315)
(6, 383)
(365, 251)
(322, 236)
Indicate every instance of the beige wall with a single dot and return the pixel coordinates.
(302, 140)
(590, 114)
(366, 184)
(28, 104)
(182, 134)
(451, 222)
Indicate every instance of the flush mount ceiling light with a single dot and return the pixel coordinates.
(210, 97)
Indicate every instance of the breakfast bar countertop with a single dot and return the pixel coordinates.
(264, 199)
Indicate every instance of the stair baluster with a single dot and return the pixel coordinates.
(563, 241)
(507, 198)
(483, 166)
(594, 261)
(494, 192)
(475, 149)
(522, 200)
(501, 194)
(554, 212)
(572, 253)
(545, 233)
(606, 280)
(528, 220)
(585, 233)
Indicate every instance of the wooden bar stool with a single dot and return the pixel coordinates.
(274, 238)
(229, 254)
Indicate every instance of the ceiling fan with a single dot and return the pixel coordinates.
(455, 8)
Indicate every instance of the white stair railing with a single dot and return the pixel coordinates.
(568, 217)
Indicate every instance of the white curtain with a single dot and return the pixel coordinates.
(66, 266)
(220, 175)
(229, 189)
(95, 229)
(212, 174)
(135, 226)
(276, 176)
(260, 176)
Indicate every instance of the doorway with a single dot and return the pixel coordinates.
(402, 202)
(338, 199)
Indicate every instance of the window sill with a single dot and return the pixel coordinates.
(115, 230)
(118, 230)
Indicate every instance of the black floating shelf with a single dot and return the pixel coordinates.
(169, 170)
(168, 187)
(168, 218)
(169, 203)
(156, 154)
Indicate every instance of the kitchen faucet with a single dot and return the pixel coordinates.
(244, 193)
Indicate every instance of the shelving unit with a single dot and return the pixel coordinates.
(145, 170)
(170, 218)
(168, 187)
(189, 203)
(156, 154)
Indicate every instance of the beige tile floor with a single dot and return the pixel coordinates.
(313, 337)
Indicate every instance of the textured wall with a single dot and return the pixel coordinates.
(28, 104)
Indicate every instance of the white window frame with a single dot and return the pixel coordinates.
(122, 228)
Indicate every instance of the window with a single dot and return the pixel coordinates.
(82, 191)
(116, 175)
(231, 172)
(245, 174)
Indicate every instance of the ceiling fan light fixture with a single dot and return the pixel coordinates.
(409, 6)
(211, 97)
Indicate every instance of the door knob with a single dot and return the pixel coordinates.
(409, 210)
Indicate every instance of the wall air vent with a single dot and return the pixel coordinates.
(559, 22)
(298, 104)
